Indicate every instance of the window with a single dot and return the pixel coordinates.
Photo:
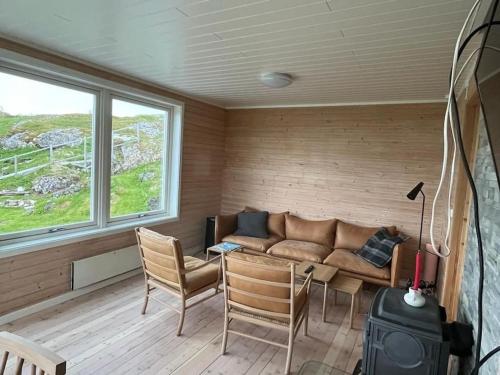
(137, 159)
(46, 159)
(81, 156)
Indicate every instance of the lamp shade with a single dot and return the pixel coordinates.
(414, 192)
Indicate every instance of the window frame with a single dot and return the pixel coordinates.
(96, 124)
(100, 223)
(166, 158)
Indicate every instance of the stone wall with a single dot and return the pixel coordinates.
(489, 211)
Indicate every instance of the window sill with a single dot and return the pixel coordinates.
(27, 246)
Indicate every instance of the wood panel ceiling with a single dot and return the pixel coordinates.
(340, 51)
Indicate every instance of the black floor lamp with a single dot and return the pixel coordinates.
(414, 296)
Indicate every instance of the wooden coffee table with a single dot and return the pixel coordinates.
(322, 274)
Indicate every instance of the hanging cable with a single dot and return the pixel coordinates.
(485, 359)
(452, 119)
(477, 227)
(448, 122)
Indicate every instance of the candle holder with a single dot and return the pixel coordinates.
(414, 297)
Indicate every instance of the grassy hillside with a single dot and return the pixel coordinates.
(35, 125)
(129, 192)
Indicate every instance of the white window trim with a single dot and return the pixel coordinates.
(101, 225)
(166, 161)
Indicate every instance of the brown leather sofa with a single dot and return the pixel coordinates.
(331, 242)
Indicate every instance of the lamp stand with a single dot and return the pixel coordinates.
(414, 296)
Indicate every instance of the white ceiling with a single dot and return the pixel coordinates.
(340, 51)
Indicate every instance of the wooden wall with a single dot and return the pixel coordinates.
(353, 163)
(29, 278)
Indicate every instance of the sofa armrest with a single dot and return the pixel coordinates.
(224, 225)
(397, 264)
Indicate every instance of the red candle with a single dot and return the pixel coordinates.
(417, 270)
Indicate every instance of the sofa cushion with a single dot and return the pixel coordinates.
(300, 250)
(353, 237)
(275, 222)
(318, 231)
(253, 243)
(252, 224)
(346, 260)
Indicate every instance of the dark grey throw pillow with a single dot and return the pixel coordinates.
(378, 249)
(252, 224)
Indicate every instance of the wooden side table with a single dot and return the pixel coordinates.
(322, 274)
(351, 286)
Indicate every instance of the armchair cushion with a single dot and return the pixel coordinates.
(256, 272)
(353, 237)
(300, 250)
(154, 246)
(345, 259)
(318, 231)
(264, 274)
(253, 243)
(300, 301)
(199, 278)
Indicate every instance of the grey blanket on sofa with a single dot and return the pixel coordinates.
(379, 247)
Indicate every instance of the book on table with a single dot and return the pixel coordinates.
(225, 247)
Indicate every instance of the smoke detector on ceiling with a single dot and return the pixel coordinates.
(276, 80)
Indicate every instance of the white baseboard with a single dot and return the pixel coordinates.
(21, 313)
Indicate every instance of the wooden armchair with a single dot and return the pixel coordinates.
(167, 269)
(262, 291)
(28, 352)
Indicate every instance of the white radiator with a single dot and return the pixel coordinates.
(91, 270)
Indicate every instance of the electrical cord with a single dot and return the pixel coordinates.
(459, 48)
(473, 33)
(478, 361)
(456, 131)
(485, 358)
(480, 253)
(448, 122)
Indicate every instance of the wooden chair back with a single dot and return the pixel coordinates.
(41, 359)
(161, 257)
(259, 285)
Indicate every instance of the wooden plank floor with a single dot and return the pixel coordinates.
(104, 333)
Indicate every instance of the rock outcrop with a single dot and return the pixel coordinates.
(58, 137)
(57, 185)
(18, 140)
(27, 204)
